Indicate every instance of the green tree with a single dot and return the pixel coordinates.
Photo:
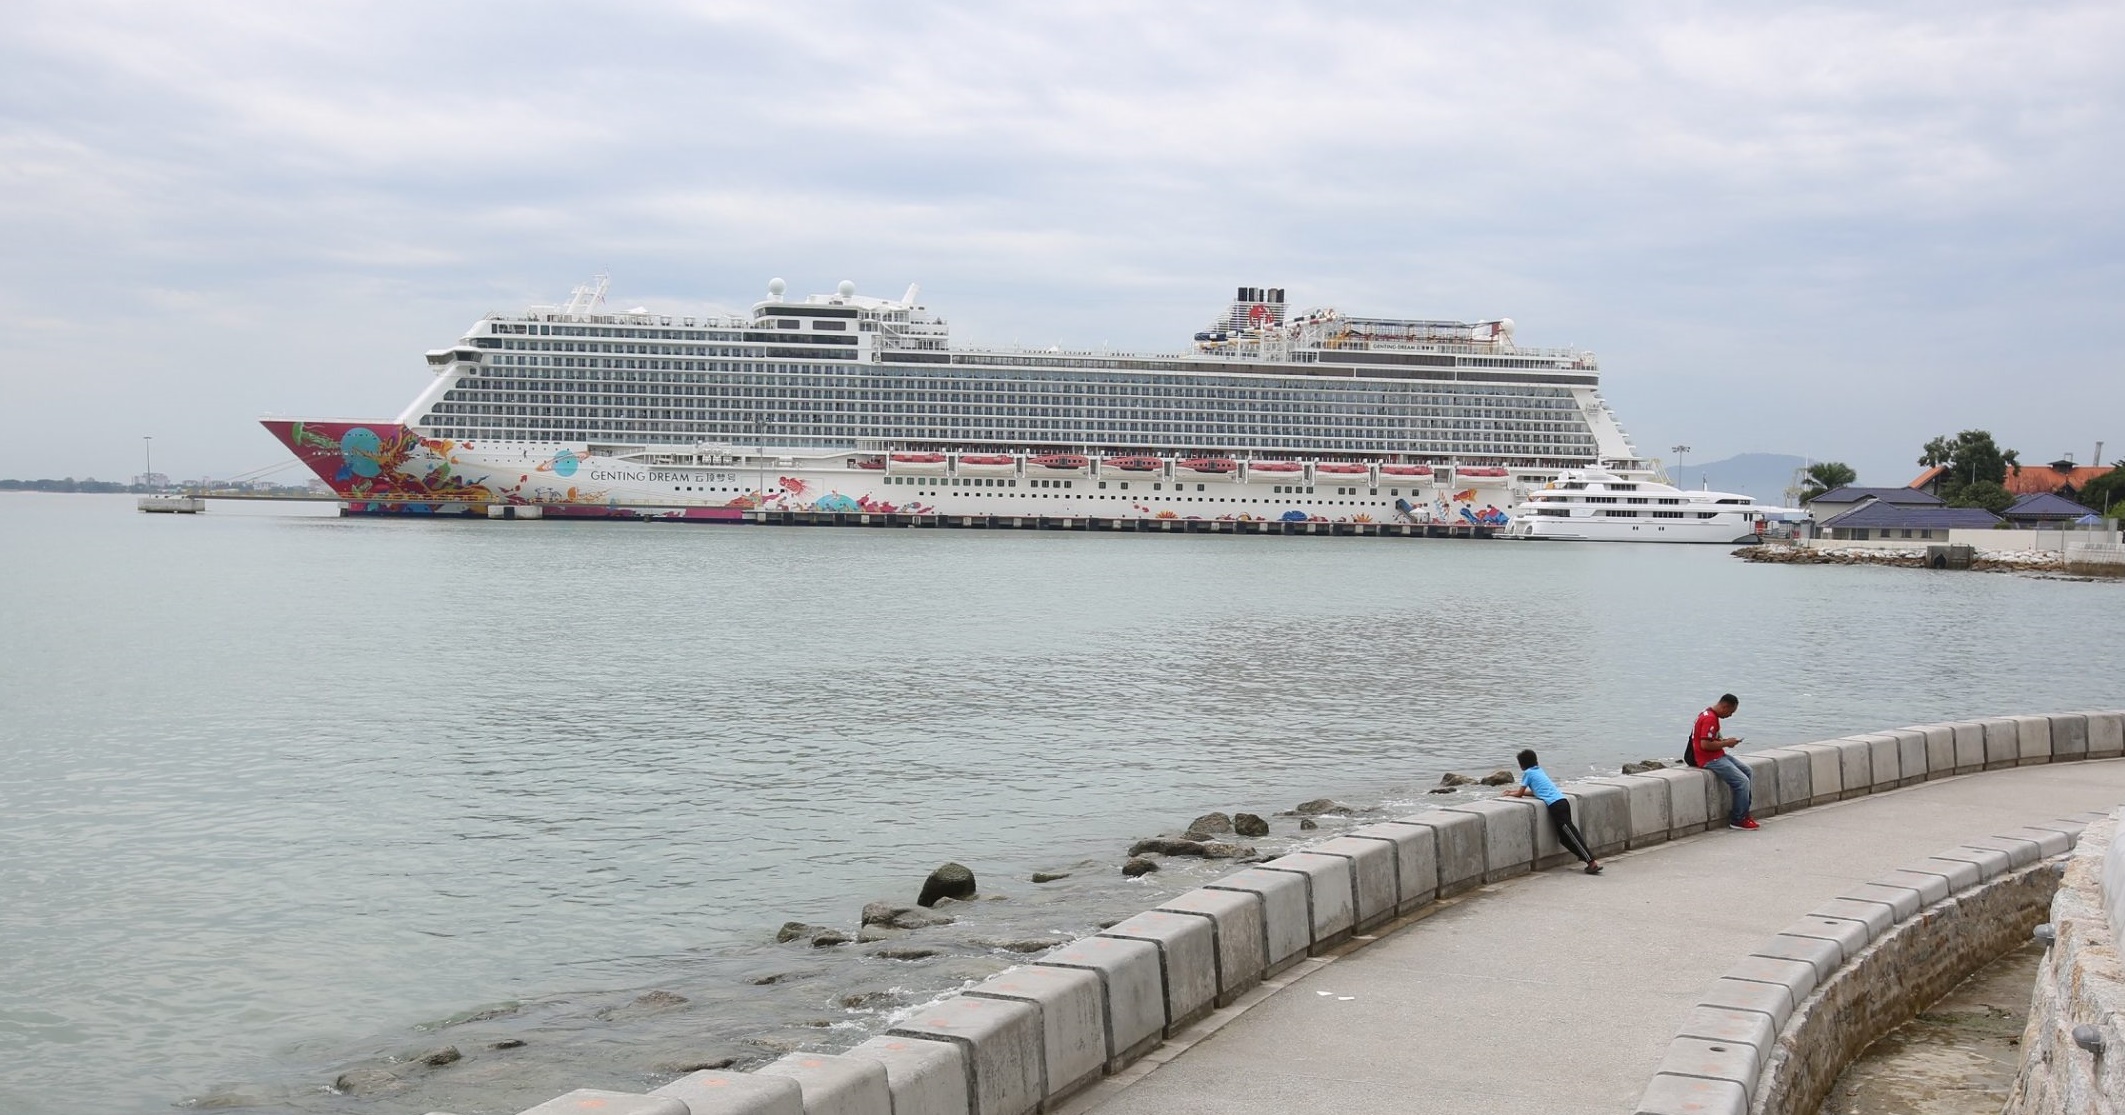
(2106, 493)
(1970, 458)
(1822, 476)
(1988, 494)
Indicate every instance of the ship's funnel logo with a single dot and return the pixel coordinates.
(362, 450)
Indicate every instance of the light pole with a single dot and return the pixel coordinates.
(1679, 450)
(147, 446)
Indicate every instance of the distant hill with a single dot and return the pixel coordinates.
(1762, 475)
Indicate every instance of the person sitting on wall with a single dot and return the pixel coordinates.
(1708, 749)
(1535, 783)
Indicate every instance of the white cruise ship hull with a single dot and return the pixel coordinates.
(1711, 532)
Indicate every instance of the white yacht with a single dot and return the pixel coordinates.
(1600, 505)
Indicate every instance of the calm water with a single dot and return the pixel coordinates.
(283, 793)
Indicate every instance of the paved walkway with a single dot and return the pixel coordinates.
(1557, 994)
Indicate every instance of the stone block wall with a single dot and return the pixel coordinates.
(2080, 983)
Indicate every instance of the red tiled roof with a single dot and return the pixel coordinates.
(2044, 478)
(1926, 477)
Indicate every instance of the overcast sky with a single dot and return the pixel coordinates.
(1825, 230)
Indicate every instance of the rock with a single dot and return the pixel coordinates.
(953, 880)
(1212, 823)
(1218, 850)
(1159, 845)
(1451, 778)
(905, 953)
(827, 938)
(369, 1080)
(869, 1000)
(1318, 806)
(515, 1043)
(1030, 944)
(918, 919)
(1050, 876)
(1247, 824)
(681, 1068)
(1641, 768)
(1308, 824)
(649, 1002)
(448, 1055)
(883, 913)
(1138, 865)
(778, 977)
(1499, 778)
(792, 930)
(872, 934)
(1444, 790)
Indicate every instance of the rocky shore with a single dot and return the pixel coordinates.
(1987, 561)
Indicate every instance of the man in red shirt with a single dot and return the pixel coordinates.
(1708, 749)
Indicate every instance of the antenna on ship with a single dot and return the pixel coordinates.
(914, 292)
(588, 297)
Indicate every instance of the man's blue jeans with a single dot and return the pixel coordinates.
(1730, 771)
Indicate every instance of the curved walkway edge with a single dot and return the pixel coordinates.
(1557, 992)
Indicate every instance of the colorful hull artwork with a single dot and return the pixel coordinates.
(387, 468)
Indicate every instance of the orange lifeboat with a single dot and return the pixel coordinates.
(1062, 462)
(1207, 466)
(1405, 470)
(1133, 464)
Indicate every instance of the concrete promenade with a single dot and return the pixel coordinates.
(1557, 993)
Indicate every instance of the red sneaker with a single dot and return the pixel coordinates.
(1744, 823)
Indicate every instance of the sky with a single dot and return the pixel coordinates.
(1827, 230)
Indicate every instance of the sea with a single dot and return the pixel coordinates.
(310, 814)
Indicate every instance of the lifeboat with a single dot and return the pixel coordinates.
(1060, 463)
(1132, 464)
(1343, 471)
(917, 462)
(1211, 467)
(1274, 468)
(1399, 471)
(987, 464)
(871, 464)
(1465, 473)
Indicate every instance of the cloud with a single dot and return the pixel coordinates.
(1744, 209)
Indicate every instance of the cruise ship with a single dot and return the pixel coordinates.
(1600, 505)
(852, 403)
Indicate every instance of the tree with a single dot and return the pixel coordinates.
(1987, 494)
(2105, 495)
(1968, 458)
(1822, 476)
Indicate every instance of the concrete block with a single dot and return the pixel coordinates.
(1372, 876)
(1187, 961)
(1855, 765)
(1458, 837)
(1287, 913)
(1330, 895)
(926, 1077)
(1910, 755)
(1733, 1062)
(1848, 935)
(1508, 836)
(1646, 802)
(1798, 977)
(1692, 1095)
(1940, 749)
(592, 1101)
(1902, 901)
(2068, 828)
(1825, 956)
(1931, 887)
(2069, 737)
(836, 1085)
(2106, 734)
(2021, 852)
(1969, 746)
(1000, 1042)
(1236, 928)
(2003, 742)
(1687, 812)
(735, 1093)
(1073, 1029)
(1763, 782)
(1416, 850)
(1603, 813)
(1876, 916)
(1720, 1024)
(2032, 736)
(1133, 1006)
(1826, 771)
(1769, 999)
(1795, 778)
(1885, 760)
(1991, 863)
(1960, 874)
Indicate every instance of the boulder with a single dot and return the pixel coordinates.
(681, 1068)
(905, 952)
(827, 938)
(872, 934)
(367, 1080)
(1159, 845)
(1027, 945)
(508, 1043)
(1443, 790)
(1138, 865)
(1308, 824)
(953, 880)
(1319, 806)
(1220, 850)
(1050, 876)
(1212, 824)
(869, 1000)
(1500, 778)
(1452, 779)
(883, 913)
(1247, 824)
(649, 1002)
(793, 930)
(448, 1055)
(1641, 768)
(919, 919)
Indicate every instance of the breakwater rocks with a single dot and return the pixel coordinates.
(1986, 561)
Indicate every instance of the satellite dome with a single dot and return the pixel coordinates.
(775, 287)
(1505, 326)
(846, 288)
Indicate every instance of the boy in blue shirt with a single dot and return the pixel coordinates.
(1535, 783)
